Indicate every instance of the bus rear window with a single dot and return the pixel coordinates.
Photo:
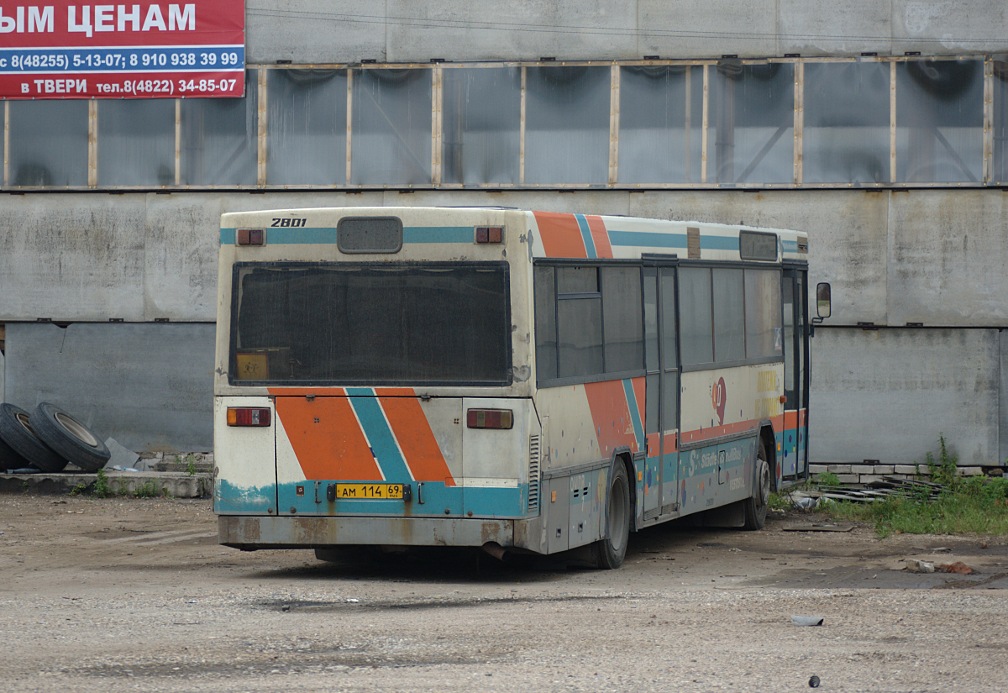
(387, 324)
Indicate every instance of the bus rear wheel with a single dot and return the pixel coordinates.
(756, 504)
(610, 550)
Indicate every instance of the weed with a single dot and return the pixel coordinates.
(780, 501)
(190, 462)
(944, 470)
(78, 489)
(148, 490)
(101, 487)
(826, 479)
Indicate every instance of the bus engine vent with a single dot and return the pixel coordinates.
(533, 493)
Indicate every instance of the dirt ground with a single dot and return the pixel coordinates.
(135, 594)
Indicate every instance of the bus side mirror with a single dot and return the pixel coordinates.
(824, 304)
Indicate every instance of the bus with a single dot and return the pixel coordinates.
(519, 381)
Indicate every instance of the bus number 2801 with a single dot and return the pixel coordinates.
(288, 223)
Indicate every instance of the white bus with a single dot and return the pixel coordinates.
(512, 380)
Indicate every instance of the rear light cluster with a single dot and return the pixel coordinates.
(248, 416)
(489, 234)
(489, 418)
(251, 236)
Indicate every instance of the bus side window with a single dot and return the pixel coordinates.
(696, 325)
(545, 323)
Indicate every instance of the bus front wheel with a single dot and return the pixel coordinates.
(756, 504)
(611, 548)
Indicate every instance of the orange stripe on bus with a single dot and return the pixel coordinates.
(413, 433)
(327, 438)
(611, 416)
(599, 234)
(561, 235)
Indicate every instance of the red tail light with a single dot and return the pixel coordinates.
(251, 237)
(248, 416)
(489, 234)
(489, 418)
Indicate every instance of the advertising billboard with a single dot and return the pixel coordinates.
(67, 49)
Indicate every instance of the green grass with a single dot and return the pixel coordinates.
(974, 505)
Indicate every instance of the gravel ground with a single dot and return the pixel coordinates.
(135, 594)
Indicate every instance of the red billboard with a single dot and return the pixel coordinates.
(68, 50)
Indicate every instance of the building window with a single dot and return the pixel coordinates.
(660, 124)
(136, 142)
(48, 143)
(567, 125)
(751, 128)
(220, 139)
(939, 121)
(306, 127)
(846, 132)
(391, 129)
(482, 120)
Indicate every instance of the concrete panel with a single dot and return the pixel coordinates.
(319, 31)
(315, 31)
(180, 257)
(949, 26)
(462, 30)
(593, 202)
(889, 394)
(947, 258)
(1003, 401)
(71, 257)
(842, 27)
(149, 386)
(847, 235)
(747, 28)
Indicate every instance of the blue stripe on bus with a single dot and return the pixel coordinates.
(287, 236)
(644, 239)
(411, 234)
(631, 399)
(719, 243)
(589, 242)
(647, 240)
(379, 434)
(438, 234)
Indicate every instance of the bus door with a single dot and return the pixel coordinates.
(794, 447)
(661, 472)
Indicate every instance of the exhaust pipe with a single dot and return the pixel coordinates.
(495, 550)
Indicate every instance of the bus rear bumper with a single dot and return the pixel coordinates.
(266, 532)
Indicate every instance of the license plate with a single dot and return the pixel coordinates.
(369, 491)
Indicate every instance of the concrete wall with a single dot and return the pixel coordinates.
(149, 385)
(326, 31)
(889, 395)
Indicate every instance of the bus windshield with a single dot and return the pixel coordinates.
(379, 324)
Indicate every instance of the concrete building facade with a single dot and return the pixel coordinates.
(880, 128)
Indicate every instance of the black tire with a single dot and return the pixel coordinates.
(756, 505)
(17, 431)
(610, 550)
(10, 459)
(69, 437)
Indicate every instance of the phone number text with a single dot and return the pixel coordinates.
(125, 59)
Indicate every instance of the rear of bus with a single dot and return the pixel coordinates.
(372, 379)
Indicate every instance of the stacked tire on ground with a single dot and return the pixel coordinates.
(47, 439)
